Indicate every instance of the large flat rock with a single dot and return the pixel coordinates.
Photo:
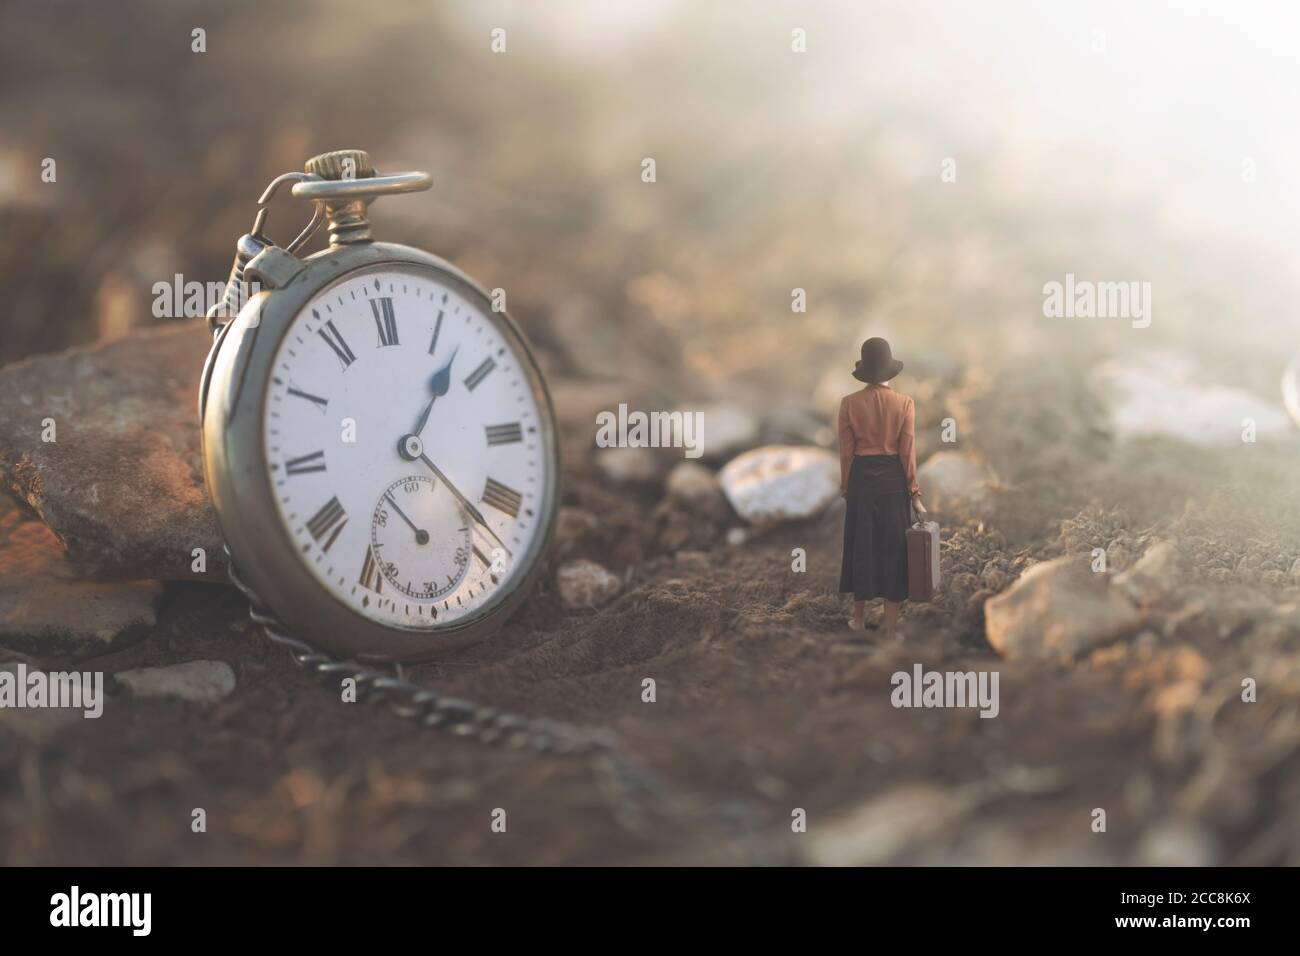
(122, 484)
(46, 612)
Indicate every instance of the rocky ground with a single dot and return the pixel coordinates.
(1119, 690)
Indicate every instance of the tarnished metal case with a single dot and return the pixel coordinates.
(235, 393)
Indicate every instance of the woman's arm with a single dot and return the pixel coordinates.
(907, 447)
(845, 430)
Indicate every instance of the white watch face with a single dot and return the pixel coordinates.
(407, 454)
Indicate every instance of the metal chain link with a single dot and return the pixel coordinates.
(639, 799)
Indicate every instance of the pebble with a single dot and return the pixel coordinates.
(585, 584)
(1152, 577)
(628, 465)
(198, 682)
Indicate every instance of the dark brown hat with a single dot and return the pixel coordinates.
(877, 363)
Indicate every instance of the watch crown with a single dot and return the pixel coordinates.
(341, 164)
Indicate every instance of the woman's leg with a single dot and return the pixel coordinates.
(859, 615)
(890, 622)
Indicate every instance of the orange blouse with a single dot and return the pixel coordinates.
(878, 421)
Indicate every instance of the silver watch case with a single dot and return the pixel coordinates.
(233, 403)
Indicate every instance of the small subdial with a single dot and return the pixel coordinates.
(420, 538)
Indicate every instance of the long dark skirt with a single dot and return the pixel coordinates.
(875, 529)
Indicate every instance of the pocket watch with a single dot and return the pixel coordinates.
(378, 440)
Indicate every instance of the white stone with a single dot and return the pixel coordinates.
(585, 584)
(1056, 611)
(199, 682)
(1164, 393)
(628, 465)
(778, 483)
(1153, 576)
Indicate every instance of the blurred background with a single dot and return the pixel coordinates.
(1111, 140)
(919, 170)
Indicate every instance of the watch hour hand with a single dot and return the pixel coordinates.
(438, 385)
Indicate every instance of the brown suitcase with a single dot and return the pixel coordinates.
(922, 561)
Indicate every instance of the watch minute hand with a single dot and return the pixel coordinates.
(465, 503)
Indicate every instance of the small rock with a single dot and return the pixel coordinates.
(628, 465)
(1177, 843)
(949, 479)
(122, 484)
(728, 430)
(585, 584)
(199, 682)
(906, 819)
(692, 560)
(693, 484)
(737, 536)
(1057, 610)
(46, 611)
(781, 483)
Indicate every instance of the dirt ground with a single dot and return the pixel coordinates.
(766, 704)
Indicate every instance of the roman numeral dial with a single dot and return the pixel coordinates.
(383, 355)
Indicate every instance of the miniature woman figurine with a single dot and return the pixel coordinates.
(878, 482)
